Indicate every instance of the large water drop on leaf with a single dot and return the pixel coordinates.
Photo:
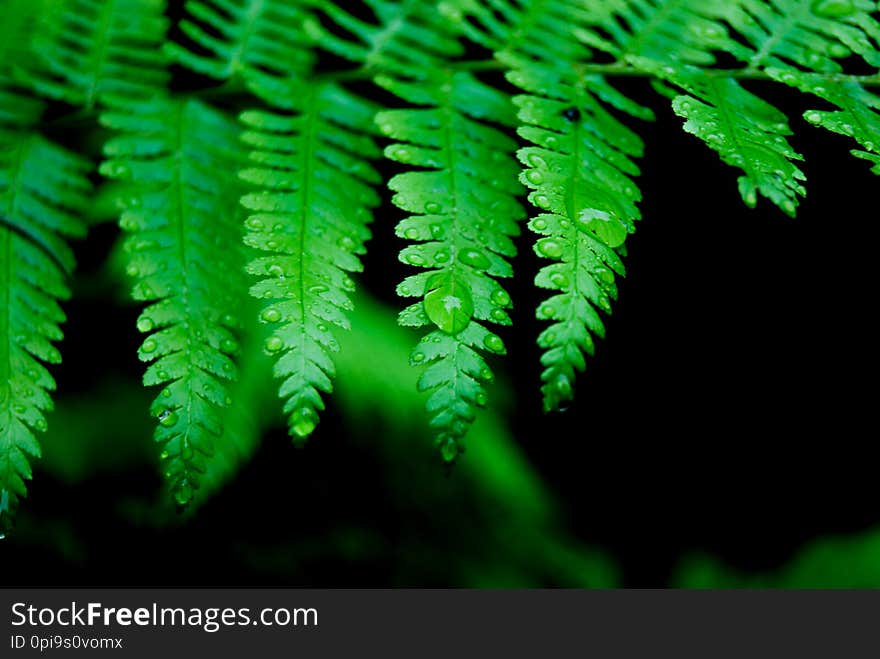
(450, 305)
(605, 226)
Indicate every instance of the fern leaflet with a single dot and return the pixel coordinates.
(857, 114)
(180, 156)
(96, 49)
(251, 38)
(42, 188)
(464, 217)
(310, 217)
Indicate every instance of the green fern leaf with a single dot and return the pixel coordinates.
(857, 116)
(310, 218)
(661, 30)
(180, 157)
(800, 33)
(747, 133)
(251, 38)
(580, 170)
(42, 189)
(411, 35)
(95, 49)
(464, 215)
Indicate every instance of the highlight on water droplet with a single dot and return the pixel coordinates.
(494, 343)
(550, 248)
(270, 315)
(149, 346)
(273, 344)
(603, 225)
(183, 493)
(168, 418)
(303, 422)
(474, 258)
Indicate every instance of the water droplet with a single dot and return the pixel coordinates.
(432, 208)
(303, 422)
(539, 224)
(481, 399)
(498, 315)
(546, 311)
(603, 224)
(550, 248)
(149, 346)
(255, 224)
(41, 425)
(229, 320)
(833, 8)
(145, 324)
(273, 344)
(436, 230)
(168, 418)
(132, 270)
(347, 243)
(411, 234)
(534, 177)
(474, 258)
(415, 259)
(537, 161)
(418, 357)
(487, 375)
(449, 450)
(228, 345)
(559, 280)
(541, 201)
(500, 297)
(604, 275)
(400, 154)
(494, 343)
(183, 494)
(450, 306)
(562, 386)
(275, 270)
(270, 315)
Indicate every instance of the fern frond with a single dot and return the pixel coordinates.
(42, 189)
(310, 218)
(248, 38)
(661, 30)
(580, 169)
(464, 216)
(245, 422)
(180, 157)
(797, 33)
(857, 116)
(747, 132)
(96, 49)
(411, 35)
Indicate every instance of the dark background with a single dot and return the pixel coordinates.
(729, 410)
